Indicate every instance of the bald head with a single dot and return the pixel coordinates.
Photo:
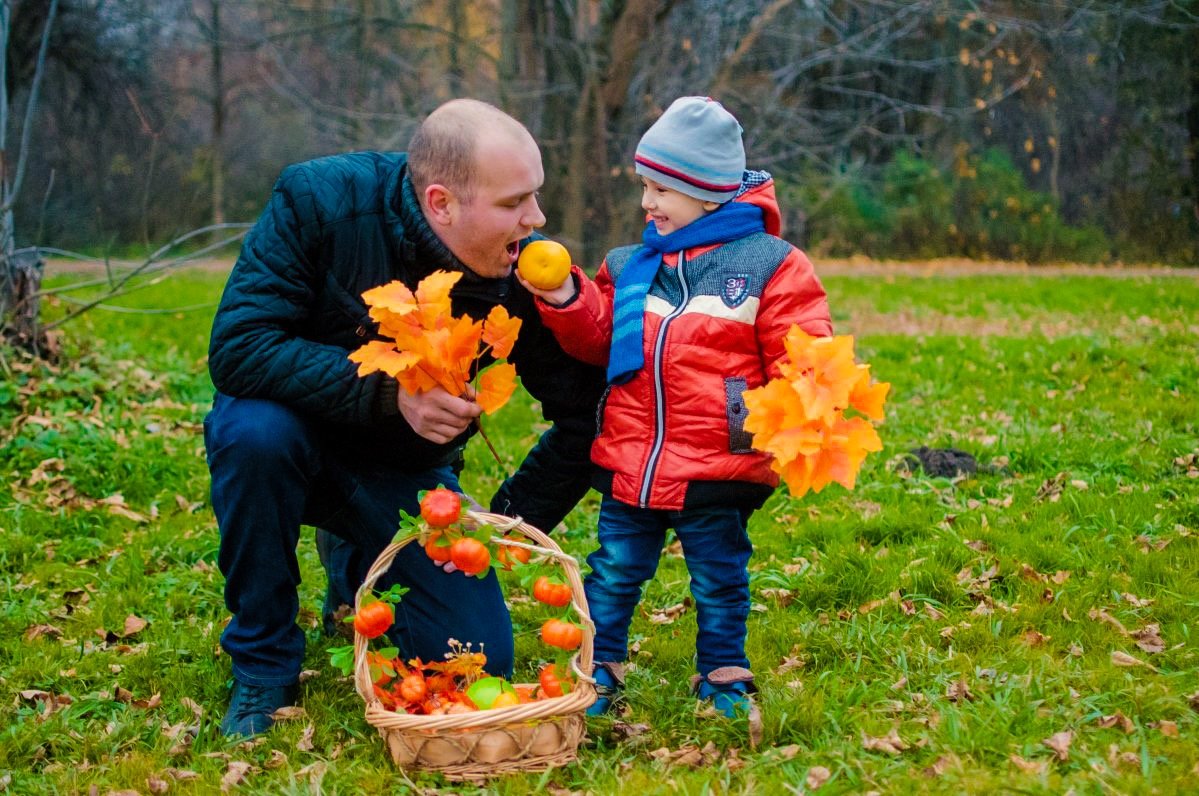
(442, 150)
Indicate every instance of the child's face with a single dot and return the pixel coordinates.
(670, 209)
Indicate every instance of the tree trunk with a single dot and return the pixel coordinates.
(20, 301)
(218, 120)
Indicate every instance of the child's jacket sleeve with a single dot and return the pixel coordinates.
(583, 325)
(793, 295)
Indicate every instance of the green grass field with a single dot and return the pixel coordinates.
(1027, 629)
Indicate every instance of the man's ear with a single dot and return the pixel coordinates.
(440, 203)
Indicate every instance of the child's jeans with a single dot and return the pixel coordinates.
(716, 548)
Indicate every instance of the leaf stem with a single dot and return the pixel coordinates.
(490, 447)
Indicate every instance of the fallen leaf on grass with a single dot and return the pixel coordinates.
(49, 631)
(1027, 766)
(289, 713)
(668, 615)
(122, 695)
(940, 766)
(1100, 615)
(277, 760)
(1167, 728)
(1148, 543)
(866, 608)
(156, 784)
(688, 755)
(1148, 638)
(1124, 659)
(1115, 756)
(181, 775)
(891, 743)
(783, 597)
(817, 776)
(623, 730)
(1136, 601)
(234, 774)
(959, 691)
(1193, 701)
(116, 505)
(1118, 719)
(305, 743)
(1060, 744)
(1034, 638)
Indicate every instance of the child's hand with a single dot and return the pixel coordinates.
(555, 297)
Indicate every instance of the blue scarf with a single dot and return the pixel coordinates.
(731, 221)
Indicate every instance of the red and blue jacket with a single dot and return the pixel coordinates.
(673, 436)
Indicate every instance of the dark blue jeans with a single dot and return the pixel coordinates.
(274, 469)
(716, 548)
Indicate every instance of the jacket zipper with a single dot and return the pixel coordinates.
(655, 451)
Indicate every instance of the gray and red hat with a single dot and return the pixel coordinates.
(695, 148)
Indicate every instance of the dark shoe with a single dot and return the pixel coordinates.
(251, 708)
(609, 686)
(727, 688)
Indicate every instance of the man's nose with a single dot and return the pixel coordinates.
(534, 218)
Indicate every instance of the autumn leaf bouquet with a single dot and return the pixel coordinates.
(800, 418)
(428, 346)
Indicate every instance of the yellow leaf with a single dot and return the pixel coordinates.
(496, 385)
(379, 355)
(500, 331)
(394, 297)
(433, 295)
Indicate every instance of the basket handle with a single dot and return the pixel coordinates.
(581, 662)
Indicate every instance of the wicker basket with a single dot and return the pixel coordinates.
(528, 737)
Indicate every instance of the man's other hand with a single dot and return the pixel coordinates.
(436, 415)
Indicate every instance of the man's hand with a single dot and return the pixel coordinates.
(436, 415)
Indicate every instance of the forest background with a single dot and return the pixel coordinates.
(1034, 131)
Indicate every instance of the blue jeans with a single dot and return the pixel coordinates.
(716, 548)
(274, 469)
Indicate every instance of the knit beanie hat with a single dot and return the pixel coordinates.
(694, 148)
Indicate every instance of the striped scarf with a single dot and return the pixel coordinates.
(731, 221)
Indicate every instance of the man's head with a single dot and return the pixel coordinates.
(476, 172)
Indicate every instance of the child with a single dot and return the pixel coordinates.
(685, 323)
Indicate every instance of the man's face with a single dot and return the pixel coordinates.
(502, 210)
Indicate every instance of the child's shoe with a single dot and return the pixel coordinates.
(609, 685)
(728, 689)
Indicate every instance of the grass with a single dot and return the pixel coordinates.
(975, 618)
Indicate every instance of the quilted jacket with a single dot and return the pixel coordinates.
(673, 437)
(292, 311)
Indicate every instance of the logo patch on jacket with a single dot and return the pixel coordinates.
(735, 291)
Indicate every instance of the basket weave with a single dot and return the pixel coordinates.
(529, 737)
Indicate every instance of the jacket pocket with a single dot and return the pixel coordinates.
(740, 440)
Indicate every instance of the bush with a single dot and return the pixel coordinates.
(979, 208)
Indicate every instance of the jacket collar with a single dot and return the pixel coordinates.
(421, 252)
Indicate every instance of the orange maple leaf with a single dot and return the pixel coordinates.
(500, 331)
(429, 347)
(394, 297)
(496, 385)
(799, 417)
(378, 355)
(433, 293)
(868, 398)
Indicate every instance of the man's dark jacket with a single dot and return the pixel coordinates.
(292, 311)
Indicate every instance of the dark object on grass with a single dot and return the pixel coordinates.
(945, 462)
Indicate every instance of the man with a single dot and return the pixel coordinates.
(296, 437)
